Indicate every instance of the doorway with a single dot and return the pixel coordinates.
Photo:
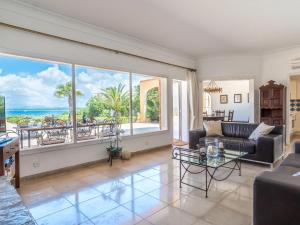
(180, 113)
(293, 110)
(234, 101)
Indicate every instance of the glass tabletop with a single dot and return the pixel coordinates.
(195, 157)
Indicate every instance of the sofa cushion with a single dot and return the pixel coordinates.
(292, 160)
(244, 130)
(213, 128)
(287, 170)
(234, 143)
(261, 130)
(240, 130)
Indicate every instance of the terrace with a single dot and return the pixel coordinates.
(39, 135)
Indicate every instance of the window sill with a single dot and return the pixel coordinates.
(59, 147)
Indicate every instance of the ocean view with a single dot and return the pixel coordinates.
(35, 112)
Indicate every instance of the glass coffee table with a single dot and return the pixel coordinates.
(208, 164)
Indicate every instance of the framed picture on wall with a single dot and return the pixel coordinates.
(223, 99)
(237, 98)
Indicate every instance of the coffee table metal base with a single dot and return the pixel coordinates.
(209, 175)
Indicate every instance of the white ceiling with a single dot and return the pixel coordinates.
(194, 27)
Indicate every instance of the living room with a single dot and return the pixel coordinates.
(83, 82)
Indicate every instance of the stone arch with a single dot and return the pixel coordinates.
(145, 86)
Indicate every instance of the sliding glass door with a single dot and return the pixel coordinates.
(177, 130)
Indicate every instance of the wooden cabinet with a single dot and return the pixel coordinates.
(272, 97)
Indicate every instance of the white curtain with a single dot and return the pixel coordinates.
(194, 100)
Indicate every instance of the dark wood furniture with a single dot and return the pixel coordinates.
(9, 149)
(214, 118)
(220, 112)
(272, 97)
(230, 116)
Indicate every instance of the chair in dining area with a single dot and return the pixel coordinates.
(229, 118)
(220, 113)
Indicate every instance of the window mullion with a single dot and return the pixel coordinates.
(74, 122)
(130, 104)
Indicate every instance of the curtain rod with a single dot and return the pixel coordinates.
(94, 46)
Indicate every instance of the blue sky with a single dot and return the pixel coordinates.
(28, 83)
(18, 65)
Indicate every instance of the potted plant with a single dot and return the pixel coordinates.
(114, 149)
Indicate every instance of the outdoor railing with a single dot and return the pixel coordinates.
(59, 134)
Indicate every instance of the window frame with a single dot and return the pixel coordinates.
(75, 142)
(130, 116)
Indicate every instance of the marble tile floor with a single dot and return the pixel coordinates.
(144, 191)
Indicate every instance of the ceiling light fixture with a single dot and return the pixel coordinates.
(213, 88)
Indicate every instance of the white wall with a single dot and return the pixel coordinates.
(242, 111)
(274, 65)
(18, 42)
(230, 67)
(28, 16)
(234, 67)
(277, 66)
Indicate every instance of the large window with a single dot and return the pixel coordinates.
(148, 103)
(37, 100)
(41, 96)
(103, 95)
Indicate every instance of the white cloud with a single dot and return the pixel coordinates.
(84, 78)
(33, 90)
(37, 90)
(92, 82)
(54, 74)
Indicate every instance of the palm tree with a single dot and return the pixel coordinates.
(65, 90)
(116, 99)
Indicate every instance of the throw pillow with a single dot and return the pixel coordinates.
(296, 174)
(213, 128)
(262, 129)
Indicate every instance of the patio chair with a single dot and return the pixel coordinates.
(27, 123)
(53, 136)
(85, 132)
(109, 128)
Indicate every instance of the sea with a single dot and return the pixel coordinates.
(35, 112)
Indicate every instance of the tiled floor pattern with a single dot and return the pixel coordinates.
(144, 190)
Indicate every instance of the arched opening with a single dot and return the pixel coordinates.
(206, 103)
(149, 100)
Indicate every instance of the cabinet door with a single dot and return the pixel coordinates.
(266, 120)
(266, 98)
(277, 98)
